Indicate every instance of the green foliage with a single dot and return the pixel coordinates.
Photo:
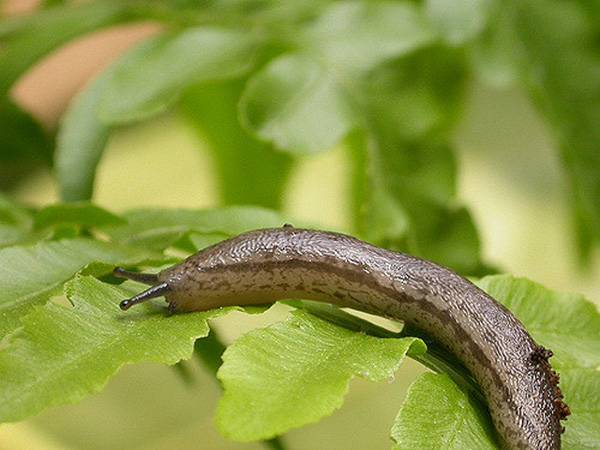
(30, 275)
(64, 353)
(264, 84)
(297, 372)
(213, 112)
(286, 375)
(194, 55)
(570, 326)
(437, 414)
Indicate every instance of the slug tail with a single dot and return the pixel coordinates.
(146, 278)
(155, 291)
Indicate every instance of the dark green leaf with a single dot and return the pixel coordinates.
(562, 62)
(250, 171)
(25, 146)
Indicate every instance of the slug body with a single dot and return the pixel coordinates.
(268, 265)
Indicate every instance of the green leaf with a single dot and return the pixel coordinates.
(15, 222)
(297, 372)
(152, 80)
(406, 201)
(296, 104)
(63, 354)
(356, 36)
(581, 388)
(25, 145)
(458, 21)
(240, 159)
(559, 44)
(437, 414)
(159, 228)
(30, 275)
(47, 30)
(82, 136)
(568, 324)
(83, 214)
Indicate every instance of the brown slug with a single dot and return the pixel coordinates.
(264, 266)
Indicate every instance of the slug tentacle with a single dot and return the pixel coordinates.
(146, 278)
(264, 266)
(155, 291)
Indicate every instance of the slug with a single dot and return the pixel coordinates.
(267, 265)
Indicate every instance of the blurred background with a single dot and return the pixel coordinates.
(510, 177)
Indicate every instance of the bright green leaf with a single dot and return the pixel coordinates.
(356, 36)
(81, 214)
(568, 324)
(30, 275)
(581, 388)
(159, 228)
(150, 81)
(438, 415)
(63, 354)
(296, 104)
(297, 372)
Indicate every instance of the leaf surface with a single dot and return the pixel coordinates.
(437, 414)
(297, 372)
(151, 80)
(30, 275)
(64, 353)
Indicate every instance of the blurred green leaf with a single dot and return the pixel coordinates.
(561, 57)
(297, 104)
(356, 36)
(41, 33)
(304, 102)
(30, 275)
(159, 228)
(458, 21)
(151, 80)
(437, 414)
(25, 146)
(493, 55)
(406, 201)
(581, 388)
(83, 214)
(16, 222)
(297, 372)
(63, 354)
(250, 171)
(568, 324)
(82, 136)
